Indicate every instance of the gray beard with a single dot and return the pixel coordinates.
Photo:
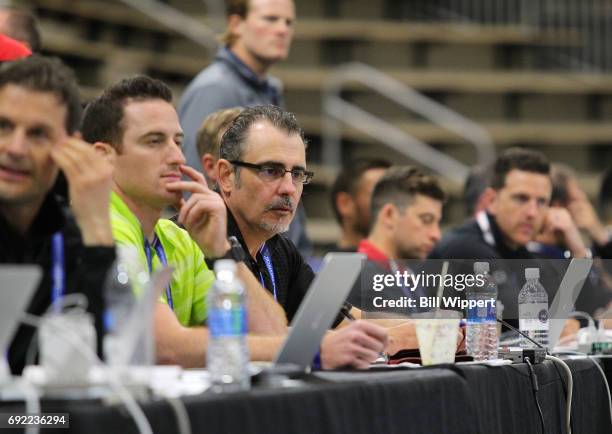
(277, 227)
(274, 228)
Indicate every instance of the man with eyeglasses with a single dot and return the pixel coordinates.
(257, 151)
(261, 174)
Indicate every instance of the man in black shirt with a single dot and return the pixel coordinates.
(518, 211)
(39, 115)
(261, 173)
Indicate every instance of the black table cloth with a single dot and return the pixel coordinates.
(449, 399)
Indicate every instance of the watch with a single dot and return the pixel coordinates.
(235, 252)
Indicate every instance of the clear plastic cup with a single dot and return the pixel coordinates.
(437, 339)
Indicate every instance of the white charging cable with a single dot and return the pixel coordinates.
(124, 394)
(570, 388)
(32, 401)
(180, 411)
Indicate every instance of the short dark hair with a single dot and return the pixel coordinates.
(23, 26)
(518, 159)
(349, 177)
(46, 74)
(103, 118)
(399, 185)
(477, 181)
(234, 139)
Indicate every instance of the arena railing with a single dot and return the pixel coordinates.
(336, 111)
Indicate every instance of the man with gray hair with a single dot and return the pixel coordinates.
(261, 174)
(258, 151)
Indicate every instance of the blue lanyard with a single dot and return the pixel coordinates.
(265, 254)
(159, 249)
(58, 274)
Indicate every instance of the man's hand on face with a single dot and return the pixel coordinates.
(89, 181)
(356, 345)
(584, 214)
(559, 226)
(203, 214)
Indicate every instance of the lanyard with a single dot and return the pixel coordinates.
(485, 226)
(265, 254)
(58, 274)
(159, 249)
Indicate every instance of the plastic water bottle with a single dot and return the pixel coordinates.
(119, 301)
(533, 310)
(227, 357)
(482, 339)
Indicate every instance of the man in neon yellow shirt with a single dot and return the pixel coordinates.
(191, 278)
(134, 125)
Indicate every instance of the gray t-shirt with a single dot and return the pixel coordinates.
(225, 83)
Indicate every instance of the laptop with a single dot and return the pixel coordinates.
(320, 306)
(17, 286)
(565, 299)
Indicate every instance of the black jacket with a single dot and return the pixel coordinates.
(85, 268)
(470, 241)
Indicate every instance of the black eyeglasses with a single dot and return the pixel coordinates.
(274, 171)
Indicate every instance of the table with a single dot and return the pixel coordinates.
(450, 399)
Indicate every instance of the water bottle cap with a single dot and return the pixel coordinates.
(532, 273)
(225, 265)
(481, 267)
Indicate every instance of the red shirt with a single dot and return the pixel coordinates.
(371, 251)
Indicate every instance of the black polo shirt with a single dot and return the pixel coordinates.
(85, 268)
(292, 275)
